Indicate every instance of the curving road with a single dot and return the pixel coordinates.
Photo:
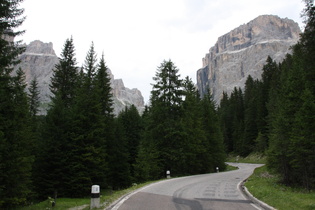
(208, 191)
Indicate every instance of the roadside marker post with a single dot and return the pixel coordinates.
(95, 197)
(168, 174)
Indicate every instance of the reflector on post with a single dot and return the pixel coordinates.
(168, 174)
(95, 196)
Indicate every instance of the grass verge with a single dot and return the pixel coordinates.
(107, 197)
(251, 158)
(230, 168)
(61, 204)
(266, 187)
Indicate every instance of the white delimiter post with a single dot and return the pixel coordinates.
(95, 197)
(168, 174)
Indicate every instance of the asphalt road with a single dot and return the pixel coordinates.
(208, 191)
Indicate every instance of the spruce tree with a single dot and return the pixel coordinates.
(105, 99)
(250, 117)
(53, 166)
(34, 98)
(214, 138)
(225, 117)
(131, 124)
(280, 125)
(237, 114)
(195, 158)
(105, 90)
(302, 143)
(90, 66)
(160, 147)
(148, 164)
(166, 100)
(302, 136)
(16, 144)
(15, 134)
(89, 156)
(10, 20)
(270, 76)
(307, 42)
(65, 75)
(291, 142)
(119, 168)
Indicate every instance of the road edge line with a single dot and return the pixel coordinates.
(117, 203)
(253, 199)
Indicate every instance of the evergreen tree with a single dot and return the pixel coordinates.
(53, 166)
(104, 88)
(196, 157)
(34, 98)
(15, 134)
(89, 162)
(148, 165)
(302, 136)
(90, 68)
(291, 142)
(182, 132)
(166, 100)
(10, 19)
(160, 147)
(214, 138)
(36, 124)
(307, 43)
(302, 143)
(65, 75)
(231, 115)
(118, 157)
(270, 76)
(250, 117)
(16, 144)
(131, 124)
(277, 136)
(167, 89)
(52, 162)
(274, 93)
(226, 122)
(236, 111)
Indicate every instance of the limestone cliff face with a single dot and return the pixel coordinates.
(40, 59)
(124, 96)
(243, 51)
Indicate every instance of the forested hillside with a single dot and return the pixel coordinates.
(275, 115)
(80, 142)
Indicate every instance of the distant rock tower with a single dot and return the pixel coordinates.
(39, 60)
(243, 51)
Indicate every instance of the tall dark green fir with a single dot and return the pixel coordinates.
(15, 135)
(58, 128)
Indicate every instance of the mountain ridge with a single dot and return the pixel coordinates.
(243, 51)
(39, 60)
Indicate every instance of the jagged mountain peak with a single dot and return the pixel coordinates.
(39, 60)
(264, 28)
(41, 48)
(243, 51)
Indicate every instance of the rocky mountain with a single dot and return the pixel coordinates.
(243, 51)
(39, 60)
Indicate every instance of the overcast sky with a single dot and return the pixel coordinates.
(137, 35)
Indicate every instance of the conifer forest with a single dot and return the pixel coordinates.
(80, 142)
